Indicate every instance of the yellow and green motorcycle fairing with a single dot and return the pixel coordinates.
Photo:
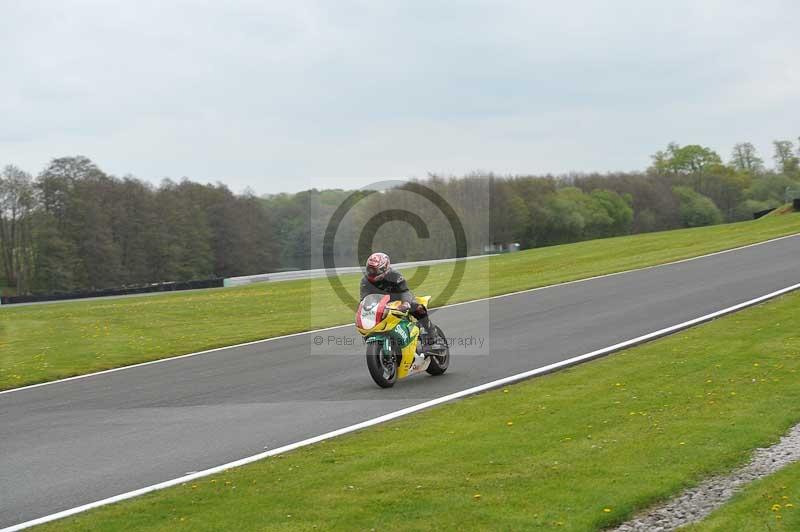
(380, 320)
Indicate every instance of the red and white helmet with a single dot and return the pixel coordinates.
(377, 266)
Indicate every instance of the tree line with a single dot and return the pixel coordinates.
(685, 186)
(74, 227)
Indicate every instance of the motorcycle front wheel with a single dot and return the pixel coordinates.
(382, 366)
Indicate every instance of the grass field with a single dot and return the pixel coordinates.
(581, 449)
(770, 505)
(46, 342)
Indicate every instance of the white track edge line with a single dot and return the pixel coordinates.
(527, 290)
(405, 411)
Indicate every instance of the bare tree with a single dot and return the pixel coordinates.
(744, 158)
(16, 206)
(786, 162)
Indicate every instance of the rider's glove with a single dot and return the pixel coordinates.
(418, 310)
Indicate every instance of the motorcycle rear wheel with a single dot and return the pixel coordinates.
(382, 366)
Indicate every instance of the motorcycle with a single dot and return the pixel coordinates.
(394, 349)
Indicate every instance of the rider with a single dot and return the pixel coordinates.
(380, 278)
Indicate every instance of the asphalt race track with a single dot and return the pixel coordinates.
(74, 442)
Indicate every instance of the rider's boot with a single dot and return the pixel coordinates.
(426, 336)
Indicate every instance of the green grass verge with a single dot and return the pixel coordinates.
(47, 342)
(580, 449)
(771, 504)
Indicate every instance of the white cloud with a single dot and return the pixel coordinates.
(280, 96)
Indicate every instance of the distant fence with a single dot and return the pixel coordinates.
(156, 287)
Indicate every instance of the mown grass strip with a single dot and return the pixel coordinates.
(42, 343)
(769, 505)
(581, 449)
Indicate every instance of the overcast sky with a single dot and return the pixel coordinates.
(282, 96)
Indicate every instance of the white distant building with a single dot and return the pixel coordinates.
(490, 249)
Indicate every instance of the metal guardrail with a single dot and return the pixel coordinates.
(231, 281)
(322, 272)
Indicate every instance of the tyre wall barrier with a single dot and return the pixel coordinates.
(760, 214)
(156, 287)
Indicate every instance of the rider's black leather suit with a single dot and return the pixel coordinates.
(394, 284)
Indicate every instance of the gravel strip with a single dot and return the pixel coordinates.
(696, 503)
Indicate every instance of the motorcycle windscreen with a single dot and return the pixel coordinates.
(370, 311)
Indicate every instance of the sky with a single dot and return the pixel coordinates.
(284, 96)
